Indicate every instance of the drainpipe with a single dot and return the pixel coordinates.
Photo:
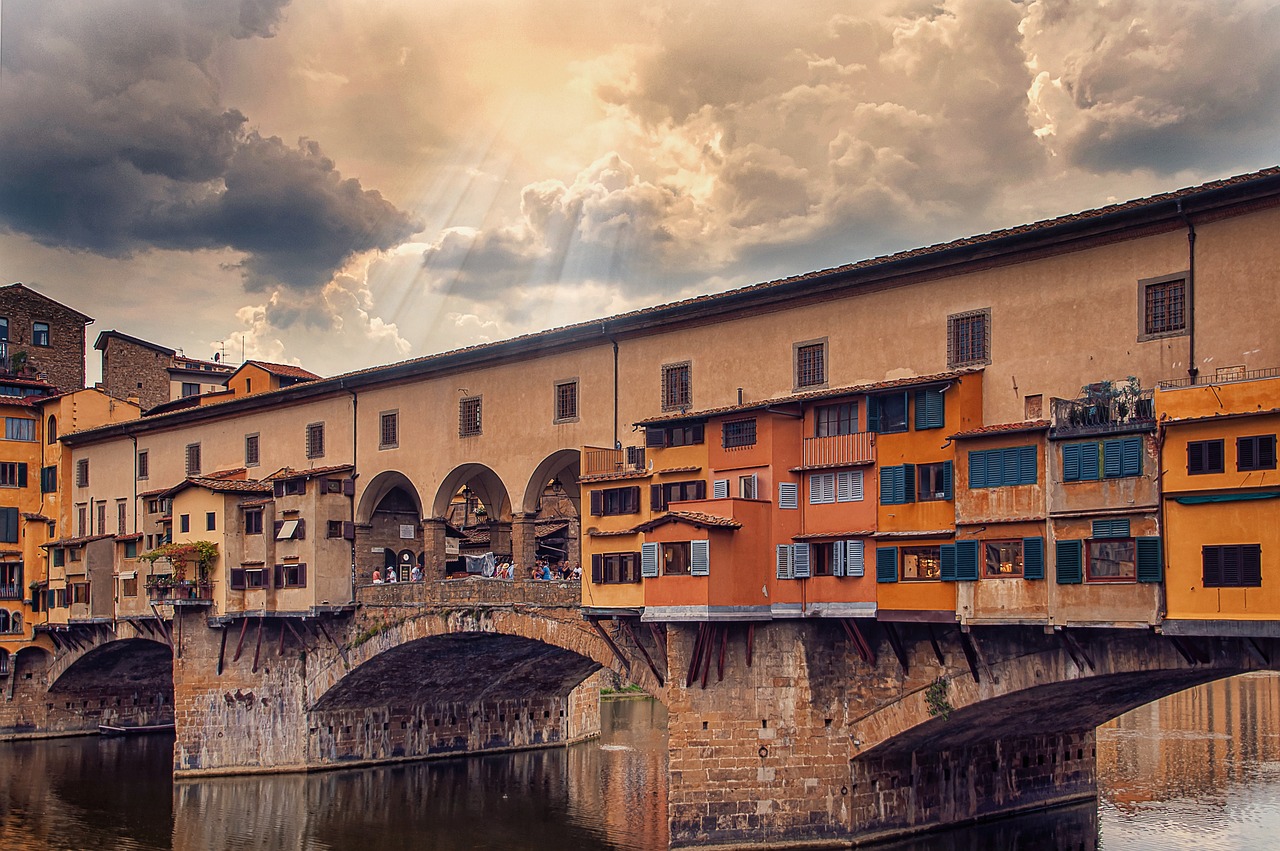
(1192, 369)
(355, 471)
(617, 444)
(134, 438)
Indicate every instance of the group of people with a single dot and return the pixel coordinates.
(393, 576)
(542, 569)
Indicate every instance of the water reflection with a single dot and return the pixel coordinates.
(1199, 771)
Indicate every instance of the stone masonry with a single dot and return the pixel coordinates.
(61, 359)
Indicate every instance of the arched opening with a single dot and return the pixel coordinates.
(4, 662)
(51, 430)
(10, 622)
(476, 510)
(554, 498)
(389, 523)
(127, 683)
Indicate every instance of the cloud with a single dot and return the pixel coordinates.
(116, 142)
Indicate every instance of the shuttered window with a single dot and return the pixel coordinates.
(1256, 453)
(994, 468)
(720, 489)
(650, 556)
(934, 482)
(886, 564)
(613, 501)
(1232, 566)
(1033, 558)
(822, 488)
(700, 558)
(898, 484)
(1113, 528)
(800, 567)
(854, 558)
(1080, 462)
(784, 561)
(930, 409)
(9, 526)
(1069, 562)
(1150, 559)
(887, 413)
(1122, 458)
(1204, 456)
(849, 486)
(615, 568)
(788, 495)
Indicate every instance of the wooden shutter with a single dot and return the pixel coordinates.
(656, 502)
(755, 487)
(348, 487)
(1250, 565)
(597, 568)
(784, 561)
(978, 468)
(886, 564)
(22, 475)
(302, 576)
(1131, 456)
(800, 561)
(279, 576)
(849, 486)
(1089, 466)
(788, 495)
(839, 558)
(947, 488)
(597, 503)
(855, 558)
(967, 555)
(1115, 528)
(699, 490)
(655, 437)
(237, 579)
(947, 562)
(908, 483)
(1071, 462)
(1033, 558)
(631, 499)
(1213, 455)
(1111, 465)
(1068, 562)
(930, 410)
(1150, 560)
(279, 489)
(348, 530)
(873, 414)
(1267, 452)
(650, 556)
(720, 489)
(699, 558)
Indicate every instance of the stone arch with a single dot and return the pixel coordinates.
(564, 465)
(1053, 691)
(118, 662)
(487, 485)
(377, 490)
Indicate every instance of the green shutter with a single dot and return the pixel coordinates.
(1033, 558)
(873, 414)
(1131, 456)
(22, 475)
(908, 482)
(1150, 560)
(947, 557)
(1011, 465)
(1071, 462)
(887, 564)
(930, 409)
(967, 560)
(946, 480)
(978, 468)
(1116, 528)
(1088, 462)
(1068, 562)
(1028, 464)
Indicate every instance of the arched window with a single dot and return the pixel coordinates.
(52, 429)
(15, 622)
(4, 621)
(4, 661)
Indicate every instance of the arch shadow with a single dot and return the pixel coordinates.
(378, 488)
(486, 484)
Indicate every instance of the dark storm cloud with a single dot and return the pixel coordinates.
(115, 141)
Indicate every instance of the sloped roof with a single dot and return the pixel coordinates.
(283, 370)
(290, 473)
(19, 285)
(221, 485)
(105, 336)
(1002, 428)
(693, 518)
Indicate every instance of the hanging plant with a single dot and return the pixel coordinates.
(935, 697)
(182, 553)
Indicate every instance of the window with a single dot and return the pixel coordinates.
(13, 475)
(682, 435)
(49, 479)
(210, 521)
(59, 557)
(613, 501)
(291, 575)
(82, 520)
(250, 577)
(290, 530)
(19, 428)
(78, 592)
(831, 420)
(933, 481)
(566, 401)
(189, 389)
(130, 549)
(129, 586)
(144, 464)
(668, 492)
(1232, 566)
(252, 450)
(51, 430)
(315, 440)
(1111, 560)
(1204, 456)
(615, 568)
(1256, 453)
(121, 517)
(994, 468)
(738, 433)
(677, 386)
(290, 487)
(1163, 302)
(39, 333)
(102, 518)
(822, 488)
(931, 411)
(1112, 459)
(193, 459)
(898, 484)
(469, 421)
(676, 559)
(788, 495)
(9, 525)
(184, 522)
(253, 521)
(810, 364)
(887, 413)
(1002, 559)
(82, 473)
(921, 563)
(748, 486)
(4, 328)
(969, 338)
(389, 430)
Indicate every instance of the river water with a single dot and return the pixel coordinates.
(1199, 771)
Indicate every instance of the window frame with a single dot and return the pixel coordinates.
(191, 459)
(935, 470)
(16, 427)
(1260, 458)
(564, 401)
(1088, 558)
(471, 416)
(812, 375)
(252, 449)
(842, 414)
(389, 429)
(252, 521)
(677, 394)
(744, 433)
(1253, 551)
(934, 552)
(314, 437)
(41, 334)
(1206, 467)
(616, 568)
(956, 324)
(679, 552)
(143, 464)
(1145, 288)
(82, 472)
(987, 545)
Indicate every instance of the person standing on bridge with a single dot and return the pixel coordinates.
(377, 577)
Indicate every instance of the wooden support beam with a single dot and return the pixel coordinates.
(280, 649)
(706, 653)
(342, 651)
(970, 654)
(301, 640)
(244, 625)
(695, 655)
(1254, 649)
(937, 648)
(724, 645)
(164, 630)
(635, 639)
(859, 641)
(895, 641)
(1075, 648)
(222, 650)
(751, 641)
(177, 645)
(257, 649)
(617, 652)
(660, 640)
(1189, 650)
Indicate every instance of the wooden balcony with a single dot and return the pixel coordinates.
(840, 450)
(601, 461)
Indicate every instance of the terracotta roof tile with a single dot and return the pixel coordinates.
(693, 518)
(821, 536)
(1002, 428)
(614, 477)
(284, 370)
(914, 533)
(691, 469)
(290, 473)
(75, 542)
(610, 533)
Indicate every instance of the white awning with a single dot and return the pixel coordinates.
(287, 530)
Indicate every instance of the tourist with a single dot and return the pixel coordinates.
(545, 573)
(416, 574)
(377, 577)
(391, 576)
(576, 573)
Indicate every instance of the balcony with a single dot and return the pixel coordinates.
(840, 450)
(12, 591)
(598, 461)
(1103, 408)
(179, 591)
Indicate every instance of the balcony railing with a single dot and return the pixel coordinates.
(839, 449)
(1225, 375)
(599, 461)
(11, 591)
(1104, 413)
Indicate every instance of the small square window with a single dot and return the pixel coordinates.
(1163, 303)
(184, 522)
(969, 338)
(40, 334)
(470, 420)
(389, 430)
(253, 521)
(677, 386)
(810, 364)
(1204, 456)
(738, 433)
(676, 558)
(566, 401)
(210, 521)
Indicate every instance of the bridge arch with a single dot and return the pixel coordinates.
(125, 661)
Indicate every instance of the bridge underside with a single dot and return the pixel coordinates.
(456, 693)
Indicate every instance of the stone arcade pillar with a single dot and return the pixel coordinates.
(524, 543)
(433, 558)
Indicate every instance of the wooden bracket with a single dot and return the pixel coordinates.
(970, 654)
(626, 665)
(635, 639)
(895, 641)
(859, 641)
(1077, 651)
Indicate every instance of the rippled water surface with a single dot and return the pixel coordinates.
(1199, 771)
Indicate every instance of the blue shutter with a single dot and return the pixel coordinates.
(1150, 567)
(1028, 465)
(947, 559)
(930, 410)
(947, 492)
(699, 558)
(1068, 562)
(1033, 558)
(893, 486)
(1131, 456)
(788, 495)
(908, 482)
(855, 563)
(887, 564)
(1111, 466)
(873, 414)
(800, 561)
(978, 468)
(1118, 528)
(1011, 466)
(22, 475)
(838, 558)
(1071, 462)
(1089, 462)
(650, 555)
(967, 560)
(784, 561)
(720, 489)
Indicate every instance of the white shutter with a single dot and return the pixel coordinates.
(849, 486)
(784, 561)
(720, 489)
(650, 555)
(822, 488)
(749, 486)
(788, 495)
(800, 561)
(855, 558)
(699, 558)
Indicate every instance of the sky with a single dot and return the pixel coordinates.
(344, 183)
